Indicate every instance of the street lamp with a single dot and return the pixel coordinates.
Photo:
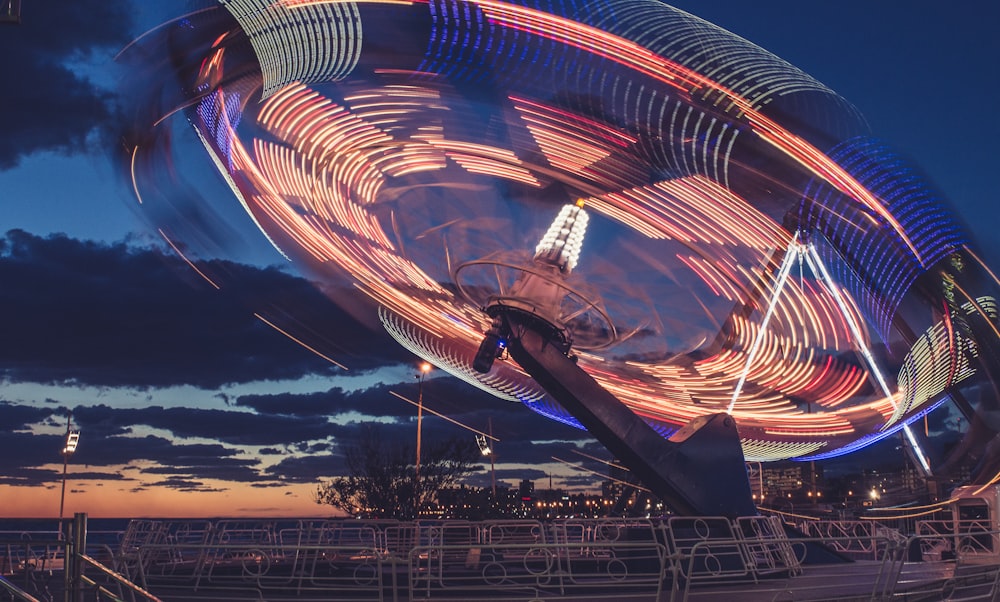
(484, 445)
(483, 441)
(425, 367)
(69, 446)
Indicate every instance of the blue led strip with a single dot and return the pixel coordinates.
(465, 46)
(552, 410)
(210, 112)
(682, 139)
(873, 437)
(872, 260)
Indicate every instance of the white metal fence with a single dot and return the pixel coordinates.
(676, 558)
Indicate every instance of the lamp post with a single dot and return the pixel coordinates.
(488, 449)
(424, 369)
(69, 446)
(493, 455)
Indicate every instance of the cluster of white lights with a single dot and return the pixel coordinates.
(939, 359)
(300, 41)
(562, 243)
(755, 450)
(72, 440)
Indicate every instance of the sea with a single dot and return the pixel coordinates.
(99, 530)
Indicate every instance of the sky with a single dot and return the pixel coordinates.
(188, 405)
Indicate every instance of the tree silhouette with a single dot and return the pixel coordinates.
(383, 481)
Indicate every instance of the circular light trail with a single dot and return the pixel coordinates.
(751, 248)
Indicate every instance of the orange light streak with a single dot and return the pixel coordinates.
(299, 341)
(642, 60)
(186, 260)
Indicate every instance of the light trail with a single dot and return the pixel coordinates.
(603, 476)
(190, 263)
(779, 285)
(300, 341)
(447, 418)
(379, 173)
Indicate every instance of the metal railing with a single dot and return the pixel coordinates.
(676, 558)
(47, 566)
(27, 562)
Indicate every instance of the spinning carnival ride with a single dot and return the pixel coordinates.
(701, 227)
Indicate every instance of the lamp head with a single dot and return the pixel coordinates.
(72, 440)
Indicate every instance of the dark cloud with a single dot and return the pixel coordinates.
(308, 469)
(291, 404)
(307, 449)
(446, 395)
(224, 470)
(95, 475)
(48, 103)
(28, 476)
(452, 397)
(15, 417)
(515, 476)
(227, 427)
(525, 437)
(108, 451)
(581, 480)
(113, 315)
(182, 484)
(20, 451)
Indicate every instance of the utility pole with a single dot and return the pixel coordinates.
(424, 369)
(493, 453)
(69, 446)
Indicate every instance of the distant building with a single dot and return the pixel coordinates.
(526, 490)
(783, 481)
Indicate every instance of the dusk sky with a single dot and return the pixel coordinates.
(189, 405)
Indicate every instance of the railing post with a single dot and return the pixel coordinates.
(66, 537)
(71, 559)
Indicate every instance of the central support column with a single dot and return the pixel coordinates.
(698, 471)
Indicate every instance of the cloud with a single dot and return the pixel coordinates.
(183, 484)
(517, 475)
(308, 469)
(112, 315)
(210, 445)
(525, 437)
(116, 316)
(22, 452)
(227, 470)
(227, 427)
(49, 103)
(28, 476)
(16, 417)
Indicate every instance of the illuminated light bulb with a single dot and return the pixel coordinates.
(72, 440)
(561, 244)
